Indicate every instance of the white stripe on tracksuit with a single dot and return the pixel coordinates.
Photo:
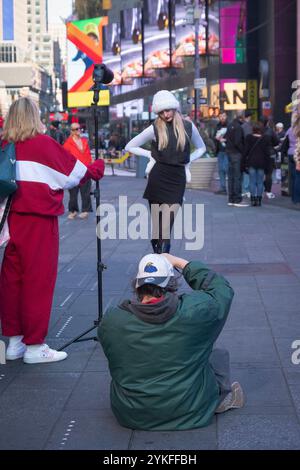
(37, 173)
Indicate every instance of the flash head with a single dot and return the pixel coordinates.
(102, 74)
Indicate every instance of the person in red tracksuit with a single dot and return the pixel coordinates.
(29, 269)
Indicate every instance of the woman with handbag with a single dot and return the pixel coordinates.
(29, 269)
(256, 161)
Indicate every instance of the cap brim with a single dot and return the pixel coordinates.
(157, 281)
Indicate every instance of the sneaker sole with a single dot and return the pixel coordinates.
(13, 357)
(43, 360)
(238, 394)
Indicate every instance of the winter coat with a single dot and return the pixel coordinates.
(83, 155)
(235, 138)
(43, 170)
(161, 376)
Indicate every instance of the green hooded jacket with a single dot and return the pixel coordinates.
(161, 377)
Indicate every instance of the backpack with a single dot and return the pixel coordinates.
(8, 183)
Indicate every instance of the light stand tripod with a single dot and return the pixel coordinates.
(101, 75)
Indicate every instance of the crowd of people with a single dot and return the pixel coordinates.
(250, 155)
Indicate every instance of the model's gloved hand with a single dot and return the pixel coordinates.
(188, 175)
(149, 166)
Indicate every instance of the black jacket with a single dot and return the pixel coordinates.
(256, 153)
(235, 137)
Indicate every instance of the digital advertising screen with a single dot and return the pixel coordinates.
(112, 51)
(233, 15)
(159, 36)
(131, 45)
(213, 27)
(85, 48)
(185, 33)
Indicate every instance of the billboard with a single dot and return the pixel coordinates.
(85, 48)
(159, 36)
(232, 31)
(185, 33)
(131, 45)
(112, 50)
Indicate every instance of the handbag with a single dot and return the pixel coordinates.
(8, 185)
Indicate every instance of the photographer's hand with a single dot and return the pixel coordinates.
(176, 262)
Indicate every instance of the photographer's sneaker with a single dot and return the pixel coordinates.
(40, 353)
(16, 348)
(234, 399)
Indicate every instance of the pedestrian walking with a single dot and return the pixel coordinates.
(273, 144)
(56, 133)
(256, 161)
(166, 376)
(220, 139)
(29, 269)
(171, 138)
(234, 150)
(295, 158)
(78, 146)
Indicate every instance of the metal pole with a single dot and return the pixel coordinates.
(197, 57)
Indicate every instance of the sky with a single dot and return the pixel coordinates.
(57, 8)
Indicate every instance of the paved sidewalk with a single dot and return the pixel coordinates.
(66, 405)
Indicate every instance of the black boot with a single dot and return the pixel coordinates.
(154, 244)
(259, 201)
(165, 247)
(253, 201)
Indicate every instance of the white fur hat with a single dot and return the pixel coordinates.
(164, 99)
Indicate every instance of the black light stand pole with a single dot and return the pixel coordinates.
(101, 75)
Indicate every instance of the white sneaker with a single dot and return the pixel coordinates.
(241, 204)
(270, 195)
(234, 399)
(16, 348)
(72, 215)
(83, 215)
(38, 353)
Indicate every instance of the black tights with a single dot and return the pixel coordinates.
(163, 217)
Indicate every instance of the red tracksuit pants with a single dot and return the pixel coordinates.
(28, 276)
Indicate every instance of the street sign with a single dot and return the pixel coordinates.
(190, 101)
(189, 14)
(200, 83)
(203, 101)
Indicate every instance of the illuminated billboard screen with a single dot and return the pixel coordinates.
(85, 48)
(213, 27)
(185, 33)
(112, 51)
(232, 31)
(131, 45)
(159, 36)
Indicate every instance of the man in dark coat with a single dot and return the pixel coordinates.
(234, 150)
(165, 373)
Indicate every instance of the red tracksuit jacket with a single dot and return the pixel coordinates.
(44, 169)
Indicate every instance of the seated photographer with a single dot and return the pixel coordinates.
(165, 373)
